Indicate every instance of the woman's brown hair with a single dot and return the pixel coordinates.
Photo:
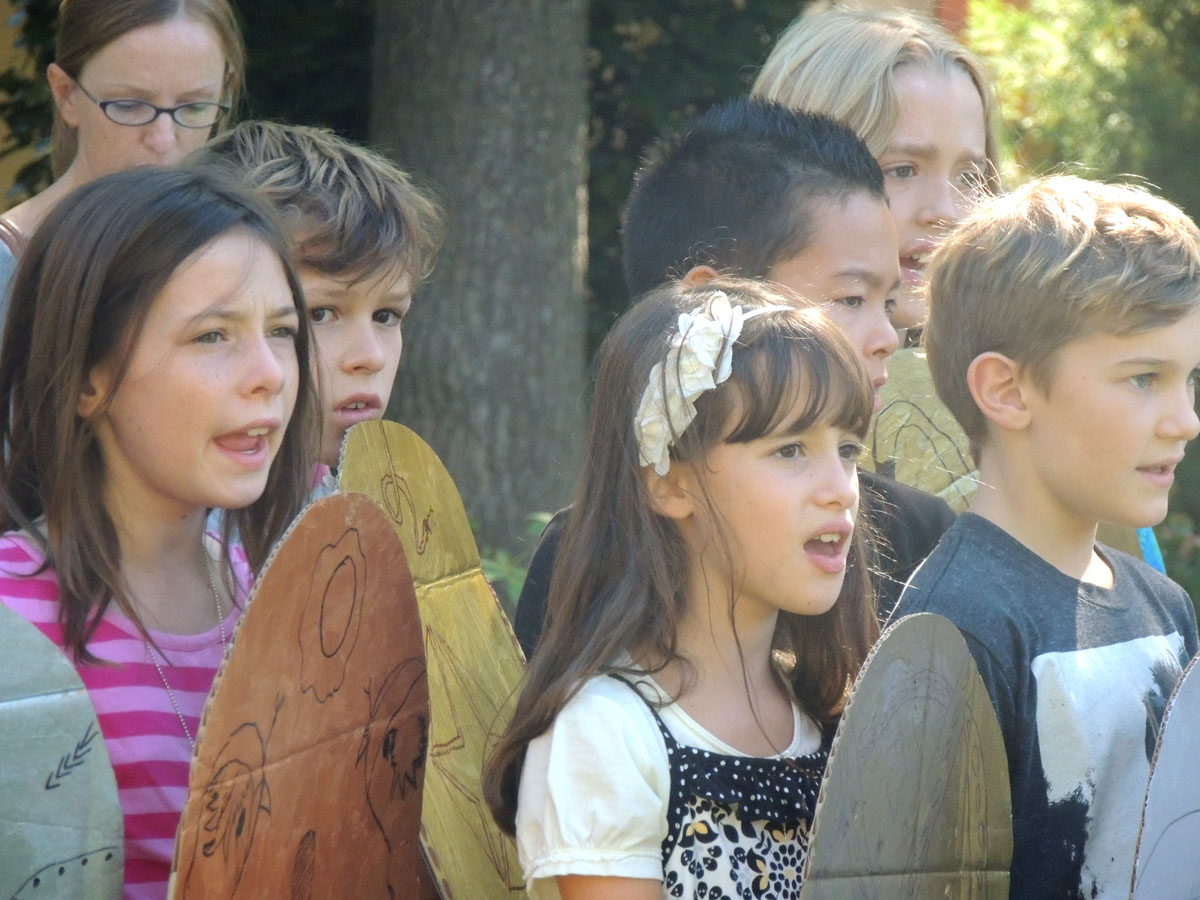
(618, 584)
(80, 296)
(87, 26)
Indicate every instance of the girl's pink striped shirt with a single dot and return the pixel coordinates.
(146, 742)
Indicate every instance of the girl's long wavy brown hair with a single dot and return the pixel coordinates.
(81, 294)
(618, 583)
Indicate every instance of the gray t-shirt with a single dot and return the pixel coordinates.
(1080, 676)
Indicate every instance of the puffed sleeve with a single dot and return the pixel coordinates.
(594, 792)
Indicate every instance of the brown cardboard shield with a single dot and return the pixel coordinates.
(916, 440)
(475, 663)
(307, 777)
(61, 831)
(915, 801)
(1168, 864)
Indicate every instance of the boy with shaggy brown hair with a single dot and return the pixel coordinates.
(364, 237)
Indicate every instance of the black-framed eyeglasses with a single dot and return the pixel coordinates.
(198, 114)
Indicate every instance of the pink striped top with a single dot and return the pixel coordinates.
(146, 743)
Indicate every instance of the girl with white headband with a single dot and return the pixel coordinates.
(708, 612)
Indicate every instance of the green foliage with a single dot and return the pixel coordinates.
(506, 570)
(25, 104)
(1180, 545)
(650, 67)
(1108, 86)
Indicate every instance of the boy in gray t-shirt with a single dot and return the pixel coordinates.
(1064, 335)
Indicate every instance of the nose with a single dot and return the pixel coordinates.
(1181, 421)
(267, 366)
(160, 135)
(944, 202)
(881, 337)
(839, 482)
(362, 352)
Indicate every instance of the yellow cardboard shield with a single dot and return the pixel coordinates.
(475, 663)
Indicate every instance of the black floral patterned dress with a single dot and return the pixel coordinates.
(737, 826)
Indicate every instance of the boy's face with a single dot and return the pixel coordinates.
(852, 266)
(356, 329)
(1107, 434)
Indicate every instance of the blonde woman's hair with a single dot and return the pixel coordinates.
(1057, 259)
(842, 61)
(349, 210)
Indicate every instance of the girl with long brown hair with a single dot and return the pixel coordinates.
(155, 364)
(708, 612)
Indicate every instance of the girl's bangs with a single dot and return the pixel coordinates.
(794, 377)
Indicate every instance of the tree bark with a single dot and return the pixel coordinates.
(485, 101)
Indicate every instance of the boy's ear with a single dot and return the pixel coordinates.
(61, 86)
(998, 387)
(697, 275)
(671, 494)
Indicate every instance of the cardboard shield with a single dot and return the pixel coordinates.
(310, 759)
(915, 439)
(61, 831)
(475, 663)
(915, 801)
(1168, 867)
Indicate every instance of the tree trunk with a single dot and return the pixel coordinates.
(485, 101)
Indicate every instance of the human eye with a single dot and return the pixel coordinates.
(320, 314)
(791, 450)
(853, 302)
(287, 332)
(388, 317)
(850, 451)
(889, 305)
(1143, 381)
(209, 337)
(900, 171)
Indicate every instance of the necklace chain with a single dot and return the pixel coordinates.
(212, 584)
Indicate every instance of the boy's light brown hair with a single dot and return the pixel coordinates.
(1057, 259)
(350, 211)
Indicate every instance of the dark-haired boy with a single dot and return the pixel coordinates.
(1064, 335)
(753, 189)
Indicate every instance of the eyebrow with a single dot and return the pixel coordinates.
(228, 315)
(929, 150)
(866, 275)
(130, 92)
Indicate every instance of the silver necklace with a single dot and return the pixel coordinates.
(224, 644)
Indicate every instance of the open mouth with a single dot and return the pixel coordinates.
(247, 443)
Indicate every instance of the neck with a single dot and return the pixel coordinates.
(164, 564)
(735, 693)
(1066, 541)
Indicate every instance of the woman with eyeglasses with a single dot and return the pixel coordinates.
(135, 82)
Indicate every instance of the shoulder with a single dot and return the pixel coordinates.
(27, 586)
(1140, 583)
(594, 789)
(975, 577)
(905, 502)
